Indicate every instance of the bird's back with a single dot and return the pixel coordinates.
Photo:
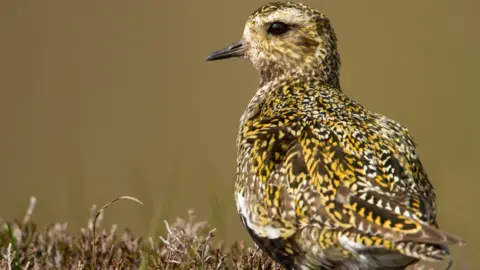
(321, 181)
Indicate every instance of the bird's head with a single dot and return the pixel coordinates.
(283, 38)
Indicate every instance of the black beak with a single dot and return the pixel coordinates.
(235, 50)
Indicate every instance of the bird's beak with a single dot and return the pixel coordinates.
(237, 49)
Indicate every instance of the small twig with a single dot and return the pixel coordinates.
(173, 261)
(450, 263)
(9, 254)
(15, 263)
(31, 206)
(79, 265)
(220, 259)
(252, 257)
(152, 245)
(170, 232)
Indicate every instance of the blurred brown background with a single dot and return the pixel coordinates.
(106, 98)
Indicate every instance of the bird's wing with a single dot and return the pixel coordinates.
(272, 168)
(303, 172)
(370, 179)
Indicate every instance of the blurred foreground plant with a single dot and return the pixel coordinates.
(188, 244)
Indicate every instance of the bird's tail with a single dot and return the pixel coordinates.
(422, 251)
(377, 215)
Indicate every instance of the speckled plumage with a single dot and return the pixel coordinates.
(322, 182)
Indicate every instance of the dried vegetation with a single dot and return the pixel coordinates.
(188, 244)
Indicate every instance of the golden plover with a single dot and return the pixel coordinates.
(322, 182)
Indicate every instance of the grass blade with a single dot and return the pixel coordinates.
(94, 250)
(16, 261)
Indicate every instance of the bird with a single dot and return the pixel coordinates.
(323, 182)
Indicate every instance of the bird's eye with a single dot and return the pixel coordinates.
(277, 28)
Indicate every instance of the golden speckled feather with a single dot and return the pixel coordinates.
(322, 182)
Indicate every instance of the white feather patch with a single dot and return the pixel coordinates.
(350, 245)
(265, 231)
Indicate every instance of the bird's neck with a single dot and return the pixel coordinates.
(272, 75)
